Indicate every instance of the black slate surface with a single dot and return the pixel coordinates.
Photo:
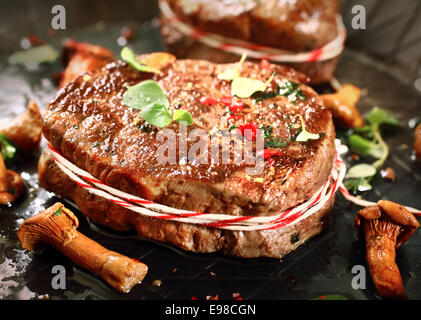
(320, 267)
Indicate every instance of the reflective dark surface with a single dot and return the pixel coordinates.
(322, 266)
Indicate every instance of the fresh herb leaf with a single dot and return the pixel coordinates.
(244, 87)
(364, 147)
(58, 212)
(267, 95)
(266, 131)
(157, 115)
(289, 89)
(8, 150)
(275, 142)
(355, 185)
(361, 170)
(183, 116)
(379, 116)
(231, 74)
(292, 90)
(145, 94)
(304, 135)
(33, 57)
(129, 56)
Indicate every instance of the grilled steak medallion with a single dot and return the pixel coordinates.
(89, 125)
(296, 26)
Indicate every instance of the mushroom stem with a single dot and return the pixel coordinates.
(56, 226)
(386, 226)
(4, 184)
(11, 184)
(381, 254)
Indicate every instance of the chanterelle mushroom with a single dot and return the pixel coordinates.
(343, 104)
(11, 184)
(25, 130)
(386, 227)
(56, 227)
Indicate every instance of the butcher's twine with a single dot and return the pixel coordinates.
(222, 221)
(239, 47)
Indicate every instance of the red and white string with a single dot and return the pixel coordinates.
(239, 47)
(223, 221)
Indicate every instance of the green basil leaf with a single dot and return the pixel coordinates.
(245, 87)
(157, 115)
(129, 56)
(379, 116)
(145, 94)
(183, 116)
(8, 150)
(361, 170)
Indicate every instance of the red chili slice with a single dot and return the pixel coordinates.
(234, 116)
(237, 106)
(252, 130)
(208, 101)
(267, 153)
(226, 100)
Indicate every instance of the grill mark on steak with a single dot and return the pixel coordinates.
(90, 126)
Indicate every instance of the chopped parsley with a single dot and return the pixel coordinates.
(8, 150)
(58, 212)
(289, 89)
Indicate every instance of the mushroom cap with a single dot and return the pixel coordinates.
(25, 130)
(390, 213)
(49, 224)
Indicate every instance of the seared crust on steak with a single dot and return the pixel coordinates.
(90, 126)
(297, 27)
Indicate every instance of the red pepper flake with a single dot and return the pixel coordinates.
(216, 297)
(234, 116)
(322, 297)
(193, 298)
(235, 105)
(128, 33)
(265, 64)
(238, 298)
(267, 153)
(34, 40)
(271, 162)
(249, 130)
(208, 101)
(226, 100)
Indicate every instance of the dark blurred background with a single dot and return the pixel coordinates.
(393, 30)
